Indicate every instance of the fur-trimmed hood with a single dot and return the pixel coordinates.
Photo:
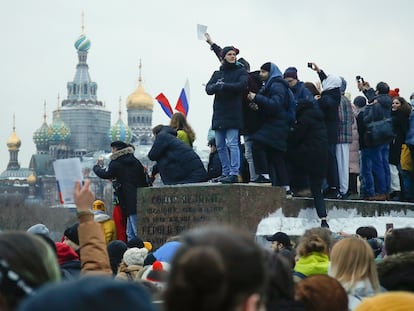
(119, 153)
(396, 272)
(392, 262)
(101, 217)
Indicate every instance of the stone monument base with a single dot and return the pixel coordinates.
(262, 210)
(166, 211)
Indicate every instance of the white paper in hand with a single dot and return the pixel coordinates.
(201, 30)
(67, 172)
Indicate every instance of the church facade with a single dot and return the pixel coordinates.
(81, 127)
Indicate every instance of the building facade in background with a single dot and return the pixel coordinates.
(81, 127)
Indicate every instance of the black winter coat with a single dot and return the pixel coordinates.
(70, 270)
(400, 125)
(378, 109)
(227, 107)
(177, 162)
(308, 148)
(129, 174)
(273, 103)
(329, 103)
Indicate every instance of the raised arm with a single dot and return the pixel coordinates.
(93, 252)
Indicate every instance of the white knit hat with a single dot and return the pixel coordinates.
(135, 256)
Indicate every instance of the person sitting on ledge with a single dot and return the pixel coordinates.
(177, 162)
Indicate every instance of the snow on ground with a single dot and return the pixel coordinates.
(338, 219)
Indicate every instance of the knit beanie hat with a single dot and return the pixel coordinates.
(382, 88)
(135, 256)
(116, 250)
(72, 233)
(118, 144)
(266, 67)
(394, 93)
(227, 49)
(157, 273)
(135, 242)
(395, 301)
(321, 292)
(98, 205)
(148, 245)
(290, 72)
(39, 229)
(360, 101)
(90, 293)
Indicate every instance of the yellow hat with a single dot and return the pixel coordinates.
(98, 205)
(148, 246)
(395, 301)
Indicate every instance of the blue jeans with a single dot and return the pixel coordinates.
(372, 167)
(131, 229)
(385, 154)
(227, 142)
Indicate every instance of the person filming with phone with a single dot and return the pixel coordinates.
(375, 152)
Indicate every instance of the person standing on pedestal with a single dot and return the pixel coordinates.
(228, 86)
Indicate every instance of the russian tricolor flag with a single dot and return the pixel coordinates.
(184, 99)
(165, 104)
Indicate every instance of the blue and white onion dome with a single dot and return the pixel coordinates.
(83, 43)
(58, 131)
(41, 136)
(120, 131)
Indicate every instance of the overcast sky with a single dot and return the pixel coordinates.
(348, 38)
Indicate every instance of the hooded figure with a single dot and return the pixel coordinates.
(177, 162)
(273, 103)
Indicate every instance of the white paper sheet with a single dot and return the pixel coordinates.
(201, 30)
(67, 172)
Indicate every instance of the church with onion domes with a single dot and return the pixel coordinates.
(80, 127)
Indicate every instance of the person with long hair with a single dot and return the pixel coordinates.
(353, 265)
(184, 130)
(400, 115)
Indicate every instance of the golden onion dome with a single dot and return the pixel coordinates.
(14, 142)
(31, 179)
(140, 99)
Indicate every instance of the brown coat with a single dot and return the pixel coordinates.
(93, 252)
(129, 273)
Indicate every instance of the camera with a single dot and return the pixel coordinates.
(359, 79)
(310, 65)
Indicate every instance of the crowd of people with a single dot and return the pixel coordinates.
(325, 142)
(213, 267)
(309, 139)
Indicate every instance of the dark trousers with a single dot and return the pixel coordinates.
(318, 199)
(298, 181)
(267, 158)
